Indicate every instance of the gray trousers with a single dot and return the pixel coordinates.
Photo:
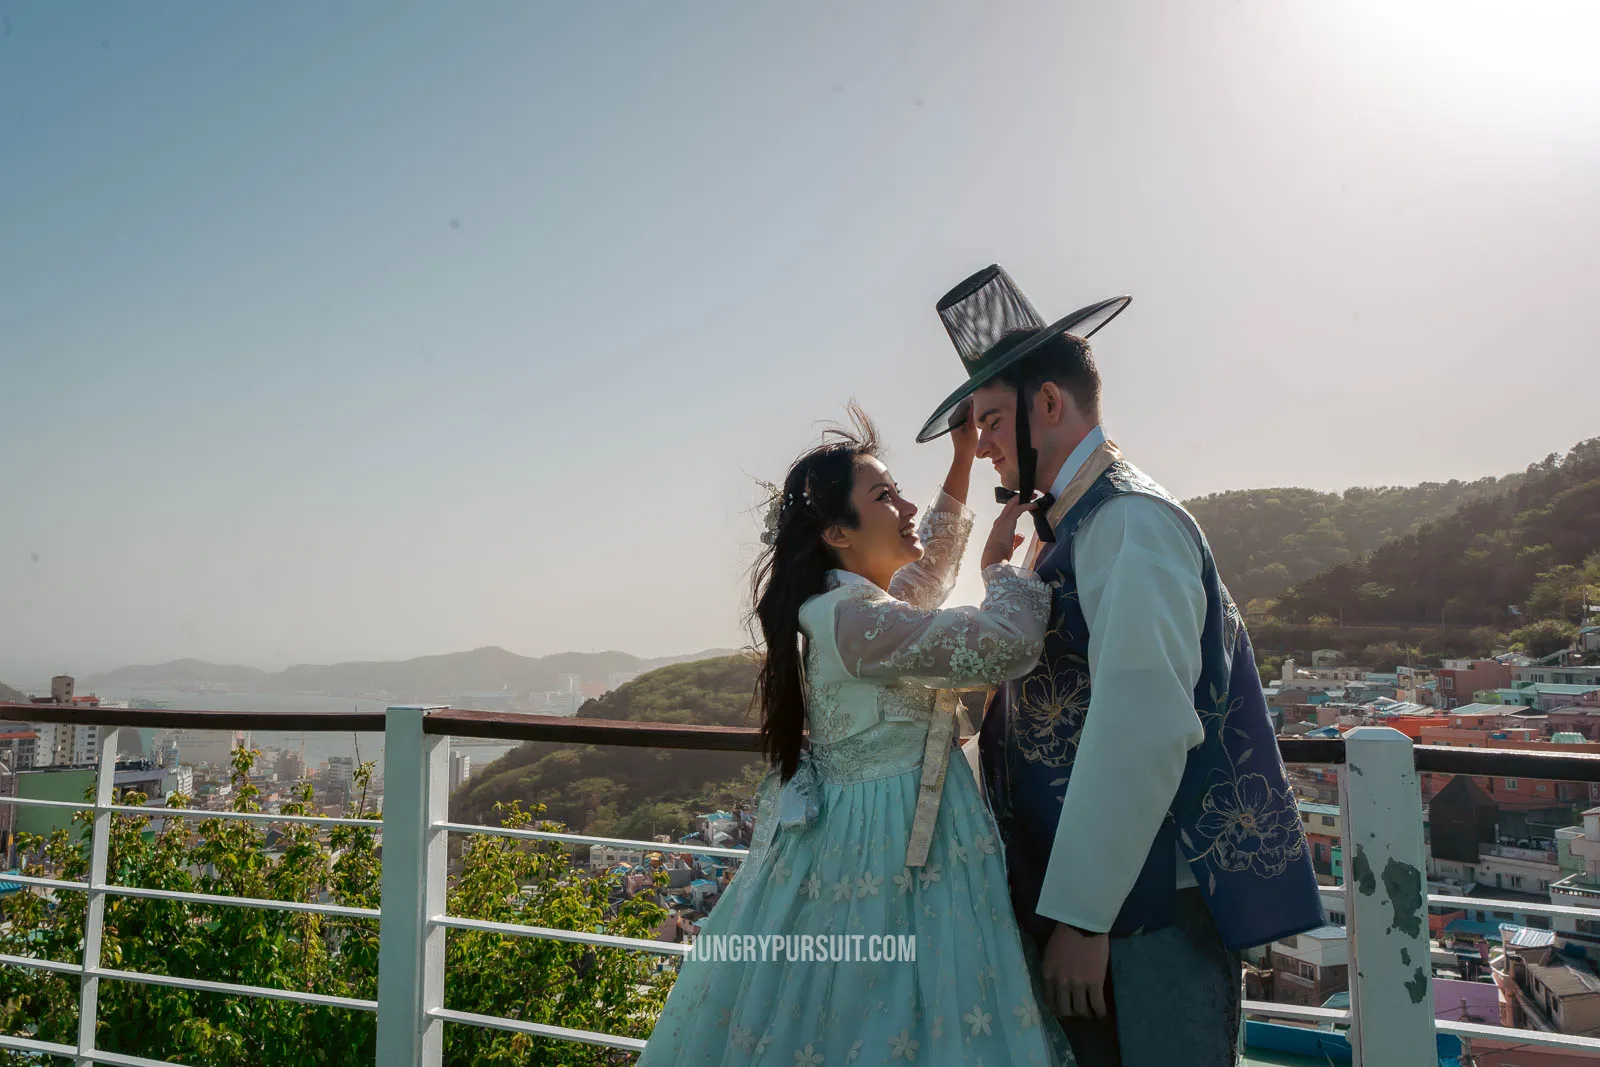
(1173, 996)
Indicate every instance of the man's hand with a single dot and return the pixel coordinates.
(1075, 965)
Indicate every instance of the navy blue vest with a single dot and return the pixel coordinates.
(1234, 814)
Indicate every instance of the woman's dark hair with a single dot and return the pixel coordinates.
(814, 496)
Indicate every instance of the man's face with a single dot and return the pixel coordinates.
(994, 407)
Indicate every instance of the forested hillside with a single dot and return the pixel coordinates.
(1266, 540)
(1525, 553)
(633, 792)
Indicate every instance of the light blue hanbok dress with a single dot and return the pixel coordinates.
(845, 848)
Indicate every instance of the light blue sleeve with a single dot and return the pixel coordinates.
(1138, 569)
(881, 639)
(944, 529)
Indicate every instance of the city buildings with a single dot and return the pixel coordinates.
(290, 766)
(1459, 679)
(1309, 968)
(1542, 991)
(209, 748)
(1518, 843)
(19, 749)
(605, 857)
(1587, 677)
(1323, 827)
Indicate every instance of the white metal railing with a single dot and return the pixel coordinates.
(411, 970)
(1384, 899)
(98, 888)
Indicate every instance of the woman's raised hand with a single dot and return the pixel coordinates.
(1003, 537)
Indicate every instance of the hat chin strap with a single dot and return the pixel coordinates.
(1027, 470)
(1027, 455)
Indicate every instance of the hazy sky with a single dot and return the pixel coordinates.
(374, 330)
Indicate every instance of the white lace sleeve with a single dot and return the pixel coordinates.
(944, 530)
(883, 639)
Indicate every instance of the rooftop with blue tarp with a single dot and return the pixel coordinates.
(1311, 807)
(1471, 928)
(1277, 1045)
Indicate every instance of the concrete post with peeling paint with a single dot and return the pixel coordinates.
(1386, 902)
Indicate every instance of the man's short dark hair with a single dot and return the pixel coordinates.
(1069, 363)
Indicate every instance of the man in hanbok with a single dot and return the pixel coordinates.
(1150, 831)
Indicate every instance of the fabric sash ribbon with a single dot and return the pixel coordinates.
(798, 803)
(935, 761)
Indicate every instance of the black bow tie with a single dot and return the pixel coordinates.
(1041, 511)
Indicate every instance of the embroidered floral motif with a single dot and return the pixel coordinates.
(978, 1019)
(905, 880)
(1014, 592)
(1232, 620)
(901, 651)
(1050, 708)
(882, 638)
(805, 1057)
(944, 530)
(1246, 819)
(1249, 825)
(903, 1046)
(867, 885)
(829, 719)
(868, 754)
(908, 703)
(1027, 1014)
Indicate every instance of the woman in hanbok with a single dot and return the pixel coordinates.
(872, 829)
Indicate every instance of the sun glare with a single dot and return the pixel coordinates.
(1533, 63)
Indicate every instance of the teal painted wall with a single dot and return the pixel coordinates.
(49, 785)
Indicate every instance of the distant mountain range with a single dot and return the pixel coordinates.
(443, 677)
(1452, 552)
(180, 673)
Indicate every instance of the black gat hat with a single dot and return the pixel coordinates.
(993, 327)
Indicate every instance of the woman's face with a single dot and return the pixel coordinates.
(885, 539)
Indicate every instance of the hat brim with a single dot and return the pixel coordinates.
(1084, 323)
